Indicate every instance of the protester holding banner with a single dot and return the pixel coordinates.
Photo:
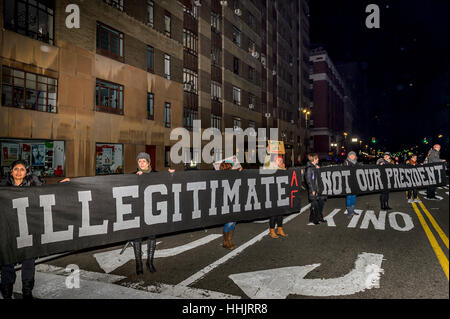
(412, 192)
(312, 181)
(19, 176)
(433, 157)
(228, 228)
(276, 162)
(145, 167)
(350, 200)
(384, 195)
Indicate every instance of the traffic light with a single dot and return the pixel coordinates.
(425, 141)
(374, 140)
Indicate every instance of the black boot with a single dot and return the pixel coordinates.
(137, 246)
(27, 288)
(6, 290)
(151, 247)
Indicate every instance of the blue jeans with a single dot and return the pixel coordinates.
(229, 227)
(350, 202)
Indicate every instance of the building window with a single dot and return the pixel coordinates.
(109, 42)
(236, 36)
(235, 4)
(251, 73)
(44, 157)
(215, 55)
(108, 159)
(118, 4)
(236, 95)
(216, 122)
(190, 41)
(28, 90)
(167, 66)
(251, 101)
(215, 22)
(251, 124)
(216, 91)
(30, 18)
(150, 59)
(236, 122)
(235, 65)
(167, 24)
(189, 116)
(167, 156)
(251, 20)
(251, 46)
(193, 12)
(167, 114)
(109, 97)
(150, 106)
(150, 8)
(190, 81)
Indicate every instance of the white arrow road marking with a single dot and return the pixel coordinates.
(329, 217)
(94, 285)
(424, 193)
(281, 282)
(52, 286)
(200, 274)
(183, 292)
(84, 274)
(111, 260)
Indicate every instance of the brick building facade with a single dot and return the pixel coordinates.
(90, 98)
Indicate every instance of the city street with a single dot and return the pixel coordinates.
(399, 254)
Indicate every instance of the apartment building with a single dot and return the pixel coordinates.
(333, 106)
(84, 101)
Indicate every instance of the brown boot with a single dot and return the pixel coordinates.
(281, 232)
(272, 233)
(225, 240)
(230, 240)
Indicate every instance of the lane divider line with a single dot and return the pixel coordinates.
(435, 224)
(434, 244)
(200, 274)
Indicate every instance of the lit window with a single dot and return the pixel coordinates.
(167, 66)
(167, 26)
(236, 95)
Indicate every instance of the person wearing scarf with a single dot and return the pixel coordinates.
(350, 200)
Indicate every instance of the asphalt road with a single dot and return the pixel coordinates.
(406, 258)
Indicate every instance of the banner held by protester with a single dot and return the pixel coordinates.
(344, 180)
(94, 211)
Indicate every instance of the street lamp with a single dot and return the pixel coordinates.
(354, 139)
(306, 112)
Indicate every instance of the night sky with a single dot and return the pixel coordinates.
(405, 62)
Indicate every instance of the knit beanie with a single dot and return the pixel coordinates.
(144, 156)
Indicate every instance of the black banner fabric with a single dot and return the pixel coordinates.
(347, 180)
(94, 211)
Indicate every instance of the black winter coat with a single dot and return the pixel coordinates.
(312, 181)
(29, 180)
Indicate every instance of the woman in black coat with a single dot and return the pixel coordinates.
(317, 201)
(19, 177)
